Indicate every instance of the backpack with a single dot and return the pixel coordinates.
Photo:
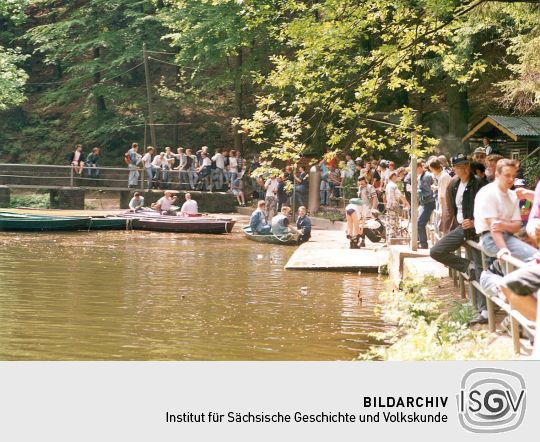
(127, 158)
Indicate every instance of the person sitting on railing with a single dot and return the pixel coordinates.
(190, 206)
(237, 189)
(497, 216)
(257, 221)
(460, 199)
(166, 167)
(165, 203)
(92, 163)
(157, 167)
(76, 159)
(137, 202)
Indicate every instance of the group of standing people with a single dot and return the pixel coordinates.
(198, 170)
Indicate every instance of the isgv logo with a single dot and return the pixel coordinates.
(491, 400)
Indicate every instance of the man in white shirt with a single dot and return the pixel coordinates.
(497, 216)
(164, 204)
(147, 164)
(218, 174)
(190, 207)
(271, 187)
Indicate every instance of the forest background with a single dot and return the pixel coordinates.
(283, 77)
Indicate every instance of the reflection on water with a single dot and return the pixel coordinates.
(162, 296)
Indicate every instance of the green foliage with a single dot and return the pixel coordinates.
(12, 78)
(531, 169)
(428, 329)
(35, 200)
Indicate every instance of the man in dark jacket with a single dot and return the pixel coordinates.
(460, 197)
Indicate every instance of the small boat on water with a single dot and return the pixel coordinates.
(37, 222)
(154, 221)
(43, 224)
(283, 240)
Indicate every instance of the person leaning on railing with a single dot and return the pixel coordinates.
(132, 159)
(460, 201)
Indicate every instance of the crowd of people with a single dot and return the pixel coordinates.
(480, 197)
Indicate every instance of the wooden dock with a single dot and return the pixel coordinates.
(329, 250)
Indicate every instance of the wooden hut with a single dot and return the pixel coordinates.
(515, 137)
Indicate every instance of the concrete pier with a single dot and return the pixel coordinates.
(329, 250)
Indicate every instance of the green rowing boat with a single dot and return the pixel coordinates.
(285, 240)
(50, 224)
(37, 222)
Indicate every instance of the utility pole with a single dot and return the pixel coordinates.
(149, 96)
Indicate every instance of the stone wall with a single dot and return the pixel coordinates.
(67, 198)
(211, 202)
(5, 196)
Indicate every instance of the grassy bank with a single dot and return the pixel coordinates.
(423, 328)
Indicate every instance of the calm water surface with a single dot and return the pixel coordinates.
(164, 296)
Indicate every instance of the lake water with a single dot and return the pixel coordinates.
(161, 296)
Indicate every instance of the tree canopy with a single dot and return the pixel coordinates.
(285, 77)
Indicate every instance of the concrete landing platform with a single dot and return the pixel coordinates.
(420, 267)
(329, 250)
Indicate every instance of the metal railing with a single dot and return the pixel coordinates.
(495, 299)
(173, 179)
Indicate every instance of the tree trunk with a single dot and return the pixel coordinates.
(100, 100)
(458, 116)
(239, 100)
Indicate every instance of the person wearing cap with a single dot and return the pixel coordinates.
(479, 155)
(354, 213)
(137, 202)
(164, 204)
(350, 166)
(460, 200)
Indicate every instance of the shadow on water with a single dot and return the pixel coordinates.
(161, 296)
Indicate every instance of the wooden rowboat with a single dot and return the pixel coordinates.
(284, 240)
(154, 221)
(50, 224)
(90, 223)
